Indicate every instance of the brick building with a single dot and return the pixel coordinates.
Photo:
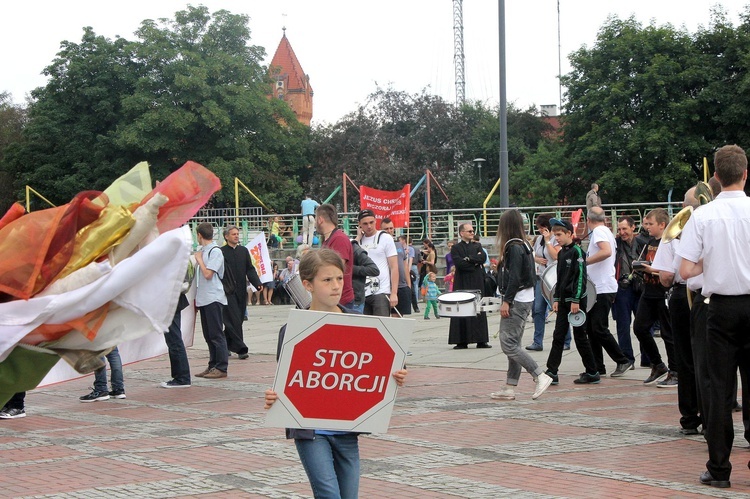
(290, 83)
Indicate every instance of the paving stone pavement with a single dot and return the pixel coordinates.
(446, 439)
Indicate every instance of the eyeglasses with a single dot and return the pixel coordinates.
(469, 231)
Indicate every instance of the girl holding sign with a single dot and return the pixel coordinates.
(330, 458)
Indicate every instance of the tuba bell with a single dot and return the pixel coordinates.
(674, 229)
(703, 193)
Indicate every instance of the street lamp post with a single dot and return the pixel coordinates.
(504, 192)
(478, 162)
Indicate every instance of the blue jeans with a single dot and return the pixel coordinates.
(539, 314)
(332, 465)
(100, 375)
(178, 359)
(511, 333)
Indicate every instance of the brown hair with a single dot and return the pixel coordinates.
(206, 230)
(312, 261)
(509, 227)
(660, 215)
(730, 162)
(328, 213)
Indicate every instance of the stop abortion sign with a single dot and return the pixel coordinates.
(334, 371)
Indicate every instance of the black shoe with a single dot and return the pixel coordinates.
(690, 431)
(658, 373)
(621, 369)
(243, 356)
(117, 394)
(566, 347)
(461, 346)
(534, 347)
(707, 479)
(484, 345)
(174, 384)
(587, 379)
(555, 379)
(15, 413)
(94, 396)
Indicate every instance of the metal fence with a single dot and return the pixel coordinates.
(438, 225)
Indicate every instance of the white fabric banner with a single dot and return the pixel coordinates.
(261, 258)
(143, 290)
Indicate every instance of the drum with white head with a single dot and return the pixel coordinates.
(549, 281)
(459, 304)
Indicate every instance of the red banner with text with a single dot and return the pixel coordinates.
(387, 204)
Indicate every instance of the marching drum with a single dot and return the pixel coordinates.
(459, 304)
(549, 281)
(297, 291)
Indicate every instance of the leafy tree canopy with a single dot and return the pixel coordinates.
(645, 104)
(189, 88)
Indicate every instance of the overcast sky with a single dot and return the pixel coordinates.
(348, 46)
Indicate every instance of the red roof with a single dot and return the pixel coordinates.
(286, 61)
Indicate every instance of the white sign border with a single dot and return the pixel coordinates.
(301, 323)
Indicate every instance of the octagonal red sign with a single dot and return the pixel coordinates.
(339, 372)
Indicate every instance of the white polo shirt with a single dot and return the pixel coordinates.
(719, 232)
(602, 274)
(668, 260)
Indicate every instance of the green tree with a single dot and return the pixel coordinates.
(12, 121)
(388, 142)
(190, 88)
(393, 138)
(631, 105)
(202, 95)
(67, 146)
(724, 99)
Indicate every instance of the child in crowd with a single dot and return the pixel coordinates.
(431, 292)
(270, 286)
(330, 458)
(570, 297)
(448, 280)
(276, 233)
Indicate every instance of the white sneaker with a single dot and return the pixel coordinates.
(507, 393)
(542, 383)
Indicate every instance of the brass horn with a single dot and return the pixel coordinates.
(673, 230)
(703, 193)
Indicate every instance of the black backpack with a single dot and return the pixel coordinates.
(228, 281)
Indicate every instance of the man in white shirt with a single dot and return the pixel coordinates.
(600, 266)
(667, 262)
(382, 250)
(713, 243)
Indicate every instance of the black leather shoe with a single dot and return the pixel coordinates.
(243, 356)
(460, 346)
(707, 479)
(484, 345)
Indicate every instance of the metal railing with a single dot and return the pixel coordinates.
(438, 225)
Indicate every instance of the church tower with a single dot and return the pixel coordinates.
(290, 83)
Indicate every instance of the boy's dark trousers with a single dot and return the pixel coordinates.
(579, 335)
(651, 309)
